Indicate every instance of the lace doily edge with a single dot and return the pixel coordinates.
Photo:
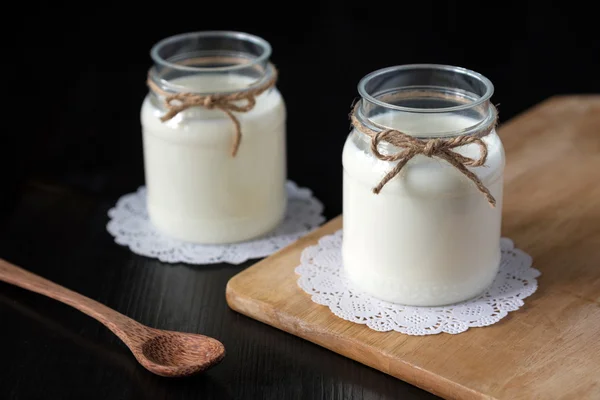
(450, 328)
(112, 226)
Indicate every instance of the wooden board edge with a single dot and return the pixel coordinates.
(551, 101)
(304, 241)
(265, 313)
(415, 376)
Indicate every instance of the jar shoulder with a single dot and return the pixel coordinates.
(359, 162)
(269, 114)
(268, 105)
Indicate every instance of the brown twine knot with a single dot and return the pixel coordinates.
(227, 103)
(437, 147)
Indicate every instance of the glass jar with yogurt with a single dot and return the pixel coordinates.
(429, 237)
(198, 188)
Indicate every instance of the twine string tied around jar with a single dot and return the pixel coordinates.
(442, 148)
(226, 102)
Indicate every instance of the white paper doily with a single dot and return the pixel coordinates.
(322, 276)
(130, 225)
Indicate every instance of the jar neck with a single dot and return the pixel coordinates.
(216, 62)
(426, 101)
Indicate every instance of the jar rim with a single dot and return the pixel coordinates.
(489, 87)
(241, 36)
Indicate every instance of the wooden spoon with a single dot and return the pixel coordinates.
(165, 353)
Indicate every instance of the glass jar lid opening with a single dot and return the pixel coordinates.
(211, 62)
(211, 51)
(425, 88)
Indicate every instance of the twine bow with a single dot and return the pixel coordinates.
(440, 148)
(227, 103)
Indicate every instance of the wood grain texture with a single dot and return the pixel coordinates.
(165, 353)
(547, 350)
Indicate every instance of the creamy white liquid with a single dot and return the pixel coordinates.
(430, 237)
(197, 191)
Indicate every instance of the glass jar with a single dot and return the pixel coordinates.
(199, 190)
(430, 237)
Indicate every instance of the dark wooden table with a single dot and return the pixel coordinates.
(51, 351)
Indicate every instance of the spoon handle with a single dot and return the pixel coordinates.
(113, 320)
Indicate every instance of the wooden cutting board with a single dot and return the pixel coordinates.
(550, 348)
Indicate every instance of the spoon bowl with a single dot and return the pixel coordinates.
(179, 354)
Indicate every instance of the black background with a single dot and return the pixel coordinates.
(78, 72)
(74, 83)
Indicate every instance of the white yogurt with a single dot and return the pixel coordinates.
(430, 237)
(197, 191)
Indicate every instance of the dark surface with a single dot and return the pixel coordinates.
(74, 82)
(54, 352)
